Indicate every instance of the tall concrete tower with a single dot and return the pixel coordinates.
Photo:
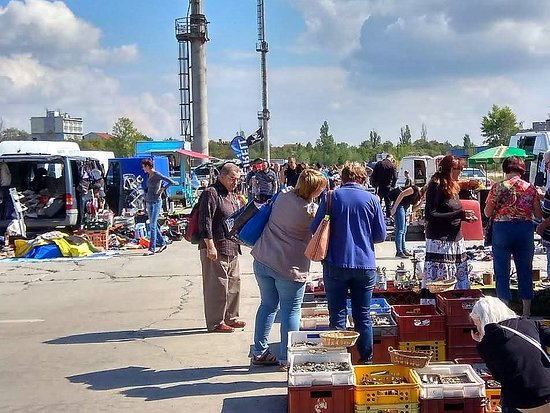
(192, 35)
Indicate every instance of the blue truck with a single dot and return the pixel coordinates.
(179, 166)
(179, 159)
(126, 182)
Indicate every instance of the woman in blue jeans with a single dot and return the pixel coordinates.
(280, 265)
(512, 203)
(408, 196)
(153, 201)
(356, 224)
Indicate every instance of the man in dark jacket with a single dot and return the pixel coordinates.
(219, 255)
(383, 178)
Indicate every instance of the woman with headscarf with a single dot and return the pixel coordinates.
(513, 350)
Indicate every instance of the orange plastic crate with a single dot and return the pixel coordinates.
(99, 238)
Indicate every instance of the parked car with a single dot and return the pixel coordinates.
(55, 188)
(476, 173)
(473, 173)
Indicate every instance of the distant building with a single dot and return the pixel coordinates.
(541, 126)
(56, 126)
(96, 136)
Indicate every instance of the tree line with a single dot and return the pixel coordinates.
(496, 127)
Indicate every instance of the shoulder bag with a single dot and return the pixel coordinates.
(317, 248)
(252, 230)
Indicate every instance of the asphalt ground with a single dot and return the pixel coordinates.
(128, 334)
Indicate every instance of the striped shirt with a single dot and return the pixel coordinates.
(267, 182)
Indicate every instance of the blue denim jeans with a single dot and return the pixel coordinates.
(400, 229)
(275, 291)
(153, 212)
(513, 238)
(360, 283)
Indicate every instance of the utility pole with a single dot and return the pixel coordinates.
(262, 47)
(192, 31)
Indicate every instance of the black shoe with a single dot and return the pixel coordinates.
(407, 253)
(401, 255)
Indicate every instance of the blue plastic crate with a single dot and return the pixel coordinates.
(377, 306)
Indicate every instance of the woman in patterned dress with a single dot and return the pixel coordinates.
(445, 249)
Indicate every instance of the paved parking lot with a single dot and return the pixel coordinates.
(127, 334)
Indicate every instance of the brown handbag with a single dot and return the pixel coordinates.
(317, 247)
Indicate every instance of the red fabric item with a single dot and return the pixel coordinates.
(193, 154)
(472, 231)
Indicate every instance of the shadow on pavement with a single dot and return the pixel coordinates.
(128, 335)
(143, 380)
(135, 376)
(200, 389)
(265, 404)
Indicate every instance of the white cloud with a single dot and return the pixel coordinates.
(39, 40)
(331, 25)
(50, 31)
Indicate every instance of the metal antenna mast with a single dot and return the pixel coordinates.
(263, 48)
(192, 35)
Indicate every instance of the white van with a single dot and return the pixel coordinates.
(102, 156)
(537, 143)
(420, 167)
(39, 147)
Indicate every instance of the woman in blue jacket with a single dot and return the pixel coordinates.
(356, 224)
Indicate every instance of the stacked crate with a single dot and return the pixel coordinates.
(492, 387)
(384, 331)
(420, 328)
(386, 388)
(315, 391)
(456, 305)
(450, 388)
(314, 318)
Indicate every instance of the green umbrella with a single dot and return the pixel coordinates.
(497, 154)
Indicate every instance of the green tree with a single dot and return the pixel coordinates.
(405, 136)
(124, 137)
(424, 132)
(467, 141)
(374, 139)
(14, 134)
(499, 125)
(325, 145)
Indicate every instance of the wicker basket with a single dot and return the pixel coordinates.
(440, 286)
(407, 358)
(338, 338)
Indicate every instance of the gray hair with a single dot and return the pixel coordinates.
(229, 167)
(491, 310)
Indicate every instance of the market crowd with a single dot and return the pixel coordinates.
(362, 202)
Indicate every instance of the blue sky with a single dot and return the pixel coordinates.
(358, 64)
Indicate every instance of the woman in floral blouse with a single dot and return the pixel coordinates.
(512, 203)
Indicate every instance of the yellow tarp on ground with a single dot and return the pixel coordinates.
(69, 245)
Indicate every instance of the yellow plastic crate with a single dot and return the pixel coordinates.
(388, 408)
(385, 394)
(438, 348)
(493, 400)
